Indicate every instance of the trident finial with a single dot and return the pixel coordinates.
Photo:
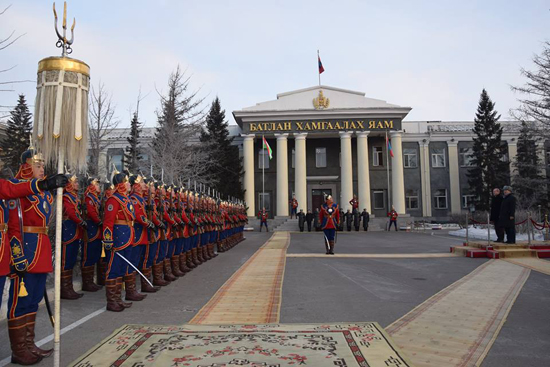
(63, 42)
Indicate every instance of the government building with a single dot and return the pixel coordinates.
(328, 140)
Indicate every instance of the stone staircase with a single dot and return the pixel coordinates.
(289, 225)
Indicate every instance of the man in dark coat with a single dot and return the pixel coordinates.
(341, 223)
(495, 213)
(365, 217)
(316, 220)
(507, 215)
(356, 219)
(301, 220)
(309, 219)
(349, 219)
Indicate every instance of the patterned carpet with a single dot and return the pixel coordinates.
(314, 345)
(377, 256)
(457, 326)
(253, 294)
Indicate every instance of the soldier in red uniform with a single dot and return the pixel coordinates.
(262, 214)
(329, 216)
(150, 256)
(176, 243)
(31, 254)
(185, 251)
(91, 250)
(293, 206)
(73, 228)
(393, 218)
(354, 204)
(118, 234)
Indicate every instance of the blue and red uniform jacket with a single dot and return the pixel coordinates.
(140, 225)
(155, 219)
(329, 217)
(72, 231)
(36, 248)
(118, 221)
(92, 211)
(10, 190)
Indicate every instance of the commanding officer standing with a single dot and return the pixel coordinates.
(354, 204)
(118, 234)
(73, 228)
(329, 216)
(31, 252)
(91, 251)
(293, 206)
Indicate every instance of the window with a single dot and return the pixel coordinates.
(410, 159)
(320, 157)
(377, 159)
(465, 158)
(440, 197)
(411, 199)
(438, 157)
(293, 159)
(263, 159)
(467, 200)
(378, 197)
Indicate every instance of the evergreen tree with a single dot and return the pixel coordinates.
(18, 132)
(132, 154)
(529, 184)
(490, 168)
(227, 167)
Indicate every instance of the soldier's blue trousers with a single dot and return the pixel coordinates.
(187, 244)
(35, 285)
(179, 246)
(69, 255)
(136, 254)
(2, 284)
(204, 238)
(194, 241)
(329, 233)
(116, 266)
(171, 248)
(163, 250)
(91, 252)
(150, 255)
(213, 236)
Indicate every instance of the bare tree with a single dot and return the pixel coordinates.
(101, 123)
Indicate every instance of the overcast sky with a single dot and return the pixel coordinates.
(434, 56)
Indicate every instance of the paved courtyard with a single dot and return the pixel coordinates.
(382, 278)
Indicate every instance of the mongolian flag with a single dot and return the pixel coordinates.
(266, 146)
(321, 68)
(388, 145)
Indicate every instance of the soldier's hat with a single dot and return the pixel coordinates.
(135, 179)
(120, 178)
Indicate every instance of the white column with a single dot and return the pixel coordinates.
(346, 170)
(454, 177)
(512, 153)
(248, 162)
(282, 175)
(397, 179)
(425, 179)
(363, 179)
(300, 171)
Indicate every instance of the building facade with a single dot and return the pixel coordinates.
(328, 140)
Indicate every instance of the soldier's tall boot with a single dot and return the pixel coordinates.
(67, 290)
(88, 284)
(146, 287)
(183, 262)
(175, 262)
(131, 292)
(211, 250)
(199, 255)
(20, 353)
(331, 244)
(158, 279)
(168, 271)
(205, 254)
(189, 258)
(110, 291)
(119, 294)
(101, 272)
(31, 321)
(195, 259)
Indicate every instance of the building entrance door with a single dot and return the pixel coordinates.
(318, 197)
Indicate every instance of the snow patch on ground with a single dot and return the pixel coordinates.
(481, 234)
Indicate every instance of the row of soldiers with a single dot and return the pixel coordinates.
(163, 231)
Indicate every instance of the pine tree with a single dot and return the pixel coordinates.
(227, 167)
(490, 168)
(528, 181)
(18, 132)
(132, 154)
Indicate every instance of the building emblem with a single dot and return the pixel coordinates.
(321, 102)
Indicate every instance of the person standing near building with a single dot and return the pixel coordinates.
(329, 216)
(354, 204)
(293, 206)
(309, 219)
(341, 221)
(316, 224)
(507, 215)
(356, 219)
(349, 220)
(365, 217)
(262, 215)
(496, 202)
(301, 219)
(393, 218)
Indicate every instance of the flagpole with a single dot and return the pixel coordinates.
(318, 71)
(388, 170)
(263, 172)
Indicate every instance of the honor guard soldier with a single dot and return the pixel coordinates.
(184, 232)
(354, 204)
(92, 248)
(149, 264)
(108, 189)
(329, 216)
(293, 206)
(118, 234)
(31, 253)
(73, 228)
(177, 239)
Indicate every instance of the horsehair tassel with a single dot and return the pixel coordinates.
(102, 251)
(22, 289)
